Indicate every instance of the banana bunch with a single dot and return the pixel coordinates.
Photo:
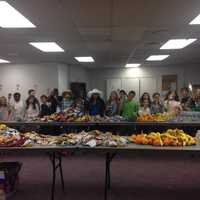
(171, 137)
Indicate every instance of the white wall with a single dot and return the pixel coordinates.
(42, 77)
(63, 77)
(185, 74)
(46, 76)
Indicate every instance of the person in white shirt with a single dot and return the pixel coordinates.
(18, 108)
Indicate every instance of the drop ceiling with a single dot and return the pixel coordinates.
(114, 32)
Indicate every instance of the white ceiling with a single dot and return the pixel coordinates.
(114, 32)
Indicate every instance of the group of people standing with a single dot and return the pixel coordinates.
(16, 109)
(129, 108)
(119, 103)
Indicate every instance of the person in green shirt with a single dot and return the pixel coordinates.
(130, 107)
(196, 108)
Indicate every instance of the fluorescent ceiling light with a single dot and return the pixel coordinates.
(47, 46)
(132, 65)
(178, 43)
(11, 18)
(196, 20)
(4, 61)
(157, 57)
(85, 59)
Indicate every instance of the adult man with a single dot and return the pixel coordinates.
(130, 107)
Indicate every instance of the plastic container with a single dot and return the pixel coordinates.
(198, 137)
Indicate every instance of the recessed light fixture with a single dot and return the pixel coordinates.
(132, 65)
(4, 61)
(47, 46)
(195, 21)
(157, 57)
(85, 59)
(178, 43)
(11, 18)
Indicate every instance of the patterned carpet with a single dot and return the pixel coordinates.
(139, 178)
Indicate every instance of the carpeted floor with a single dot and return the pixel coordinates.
(139, 178)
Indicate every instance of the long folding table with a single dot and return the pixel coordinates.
(56, 153)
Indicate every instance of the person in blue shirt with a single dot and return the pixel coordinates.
(96, 105)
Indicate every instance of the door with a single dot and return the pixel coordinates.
(78, 89)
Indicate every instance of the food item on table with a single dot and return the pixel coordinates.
(160, 117)
(71, 115)
(10, 137)
(172, 137)
(94, 138)
(40, 139)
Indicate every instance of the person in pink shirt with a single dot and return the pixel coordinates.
(172, 103)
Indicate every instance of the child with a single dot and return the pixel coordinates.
(157, 106)
(172, 103)
(45, 109)
(67, 100)
(112, 104)
(32, 108)
(144, 108)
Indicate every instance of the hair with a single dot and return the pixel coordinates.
(43, 96)
(156, 93)
(56, 91)
(34, 102)
(1, 98)
(132, 92)
(30, 91)
(92, 98)
(185, 89)
(142, 98)
(169, 93)
(123, 91)
(17, 94)
(116, 94)
(66, 92)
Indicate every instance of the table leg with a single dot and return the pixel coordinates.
(109, 158)
(53, 161)
(61, 173)
(106, 178)
(56, 160)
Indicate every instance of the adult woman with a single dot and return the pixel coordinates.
(145, 104)
(96, 105)
(5, 110)
(112, 104)
(172, 103)
(32, 108)
(156, 105)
